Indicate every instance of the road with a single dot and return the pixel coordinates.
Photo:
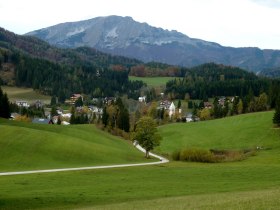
(162, 160)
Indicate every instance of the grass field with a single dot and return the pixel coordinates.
(26, 146)
(152, 81)
(27, 94)
(240, 132)
(253, 183)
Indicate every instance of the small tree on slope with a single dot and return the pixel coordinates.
(146, 134)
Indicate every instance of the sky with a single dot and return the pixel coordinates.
(235, 23)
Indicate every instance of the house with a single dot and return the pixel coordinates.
(142, 99)
(75, 97)
(167, 105)
(171, 110)
(207, 105)
(42, 121)
(189, 117)
(65, 123)
(14, 115)
(222, 101)
(97, 111)
(38, 104)
(22, 104)
(109, 100)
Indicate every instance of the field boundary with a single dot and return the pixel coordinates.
(162, 160)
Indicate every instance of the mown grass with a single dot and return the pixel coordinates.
(253, 183)
(69, 190)
(257, 200)
(27, 94)
(239, 132)
(27, 146)
(152, 81)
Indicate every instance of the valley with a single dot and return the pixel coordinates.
(243, 184)
(79, 99)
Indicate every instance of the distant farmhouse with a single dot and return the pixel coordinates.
(22, 103)
(168, 105)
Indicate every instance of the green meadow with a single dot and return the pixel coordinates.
(27, 94)
(27, 146)
(152, 81)
(253, 183)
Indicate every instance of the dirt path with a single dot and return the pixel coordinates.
(162, 160)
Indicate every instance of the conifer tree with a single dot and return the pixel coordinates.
(276, 117)
(4, 105)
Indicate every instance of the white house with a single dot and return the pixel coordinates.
(171, 109)
(22, 104)
(142, 99)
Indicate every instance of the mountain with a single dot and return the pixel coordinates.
(126, 37)
(271, 72)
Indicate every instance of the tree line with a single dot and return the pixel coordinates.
(212, 80)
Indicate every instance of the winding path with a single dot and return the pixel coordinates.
(162, 160)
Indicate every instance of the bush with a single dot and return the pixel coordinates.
(211, 156)
(197, 155)
(176, 155)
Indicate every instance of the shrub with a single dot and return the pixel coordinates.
(211, 156)
(197, 155)
(176, 155)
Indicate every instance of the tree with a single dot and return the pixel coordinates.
(79, 102)
(146, 134)
(205, 114)
(179, 104)
(53, 111)
(276, 117)
(105, 117)
(53, 100)
(240, 106)
(4, 105)
(59, 120)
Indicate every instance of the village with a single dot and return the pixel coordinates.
(92, 110)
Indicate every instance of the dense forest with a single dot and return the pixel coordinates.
(29, 62)
(211, 80)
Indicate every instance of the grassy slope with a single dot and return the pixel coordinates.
(152, 81)
(240, 132)
(247, 184)
(26, 146)
(28, 94)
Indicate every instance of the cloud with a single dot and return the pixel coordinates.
(275, 4)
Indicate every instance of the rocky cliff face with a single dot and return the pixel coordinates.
(124, 36)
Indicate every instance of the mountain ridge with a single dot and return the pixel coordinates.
(124, 36)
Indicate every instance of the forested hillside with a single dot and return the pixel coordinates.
(211, 80)
(30, 62)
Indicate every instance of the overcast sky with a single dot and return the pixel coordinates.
(236, 23)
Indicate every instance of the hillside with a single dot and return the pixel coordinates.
(240, 132)
(26, 146)
(253, 183)
(124, 36)
(30, 62)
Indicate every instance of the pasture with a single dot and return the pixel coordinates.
(26, 94)
(253, 183)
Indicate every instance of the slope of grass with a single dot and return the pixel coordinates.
(152, 81)
(27, 94)
(26, 146)
(250, 184)
(239, 132)
(71, 190)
